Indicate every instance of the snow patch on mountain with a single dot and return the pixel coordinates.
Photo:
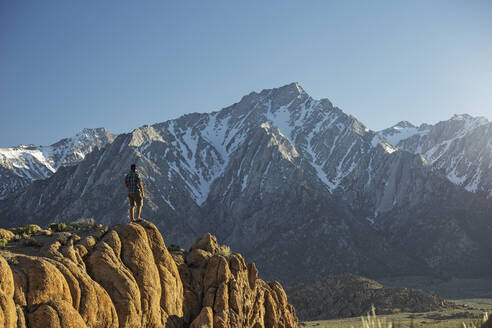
(402, 133)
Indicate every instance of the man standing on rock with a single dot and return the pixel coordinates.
(134, 186)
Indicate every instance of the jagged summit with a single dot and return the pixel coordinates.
(124, 276)
(283, 95)
(469, 121)
(86, 135)
(404, 124)
(293, 88)
(461, 117)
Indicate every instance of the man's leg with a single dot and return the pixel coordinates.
(139, 210)
(132, 215)
(139, 203)
(131, 198)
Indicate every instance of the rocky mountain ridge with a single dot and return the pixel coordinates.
(460, 147)
(21, 165)
(279, 173)
(124, 276)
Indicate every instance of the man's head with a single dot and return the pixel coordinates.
(133, 167)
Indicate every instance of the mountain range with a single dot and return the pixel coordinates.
(295, 184)
(461, 147)
(21, 165)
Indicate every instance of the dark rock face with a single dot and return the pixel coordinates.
(125, 277)
(351, 295)
(292, 182)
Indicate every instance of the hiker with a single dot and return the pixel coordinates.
(135, 192)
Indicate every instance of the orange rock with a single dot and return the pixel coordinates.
(252, 275)
(56, 314)
(198, 258)
(125, 277)
(172, 291)
(204, 320)
(217, 271)
(222, 299)
(107, 269)
(21, 318)
(221, 307)
(208, 243)
(89, 298)
(41, 281)
(137, 256)
(8, 312)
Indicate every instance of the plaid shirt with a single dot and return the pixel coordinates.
(132, 179)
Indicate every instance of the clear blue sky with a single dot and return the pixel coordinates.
(66, 65)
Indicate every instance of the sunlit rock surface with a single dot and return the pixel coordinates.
(124, 276)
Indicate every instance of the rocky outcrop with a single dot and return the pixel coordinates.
(352, 295)
(8, 310)
(124, 276)
(216, 281)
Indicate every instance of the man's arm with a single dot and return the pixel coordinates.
(141, 188)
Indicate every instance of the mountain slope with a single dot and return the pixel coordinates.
(278, 173)
(21, 165)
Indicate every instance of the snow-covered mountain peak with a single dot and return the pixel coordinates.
(25, 163)
(85, 136)
(401, 131)
(87, 133)
(198, 148)
(27, 146)
(460, 146)
(468, 121)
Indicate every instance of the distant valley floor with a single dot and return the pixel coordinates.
(471, 311)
